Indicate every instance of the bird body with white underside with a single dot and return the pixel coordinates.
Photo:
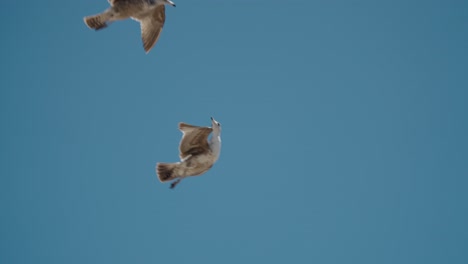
(197, 153)
(150, 13)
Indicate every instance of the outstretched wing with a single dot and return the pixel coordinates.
(194, 140)
(151, 27)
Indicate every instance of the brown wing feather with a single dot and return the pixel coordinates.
(151, 27)
(194, 141)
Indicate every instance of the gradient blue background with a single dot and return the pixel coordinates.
(344, 133)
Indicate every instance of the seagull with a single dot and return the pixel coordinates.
(150, 14)
(197, 154)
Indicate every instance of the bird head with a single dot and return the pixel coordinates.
(215, 125)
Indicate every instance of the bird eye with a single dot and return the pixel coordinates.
(219, 124)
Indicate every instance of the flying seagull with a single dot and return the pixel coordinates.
(197, 154)
(150, 14)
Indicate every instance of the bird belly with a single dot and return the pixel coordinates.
(135, 9)
(196, 165)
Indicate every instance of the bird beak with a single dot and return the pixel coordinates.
(170, 2)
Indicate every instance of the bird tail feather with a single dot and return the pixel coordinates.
(165, 171)
(97, 21)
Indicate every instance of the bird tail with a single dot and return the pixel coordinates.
(165, 171)
(97, 21)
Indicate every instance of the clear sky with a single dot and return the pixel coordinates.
(344, 133)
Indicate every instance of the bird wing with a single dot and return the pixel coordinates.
(151, 27)
(112, 2)
(194, 140)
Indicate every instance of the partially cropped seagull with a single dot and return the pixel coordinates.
(150, 14)
(197, 154)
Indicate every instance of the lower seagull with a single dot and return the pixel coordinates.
(197, 154)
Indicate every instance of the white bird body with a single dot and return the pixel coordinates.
(197, 155)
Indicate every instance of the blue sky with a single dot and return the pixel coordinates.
(344, 133)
